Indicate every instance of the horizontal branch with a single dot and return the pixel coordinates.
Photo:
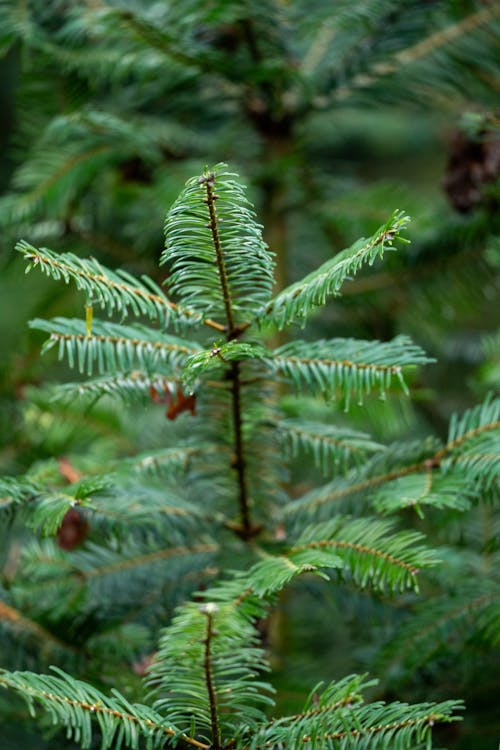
(421, 49)
(162, 554)
(361, 548)
(96, 709)
(116, 289)
(412, 643)
(430, 720)
(16, 618)
(433, 462)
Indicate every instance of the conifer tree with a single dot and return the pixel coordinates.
(221, 502)
(118, 103)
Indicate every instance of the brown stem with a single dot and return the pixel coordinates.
(239, 464)
(207, 666)
(246, 529)
(209, 181)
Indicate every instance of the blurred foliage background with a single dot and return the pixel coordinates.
(335, 114)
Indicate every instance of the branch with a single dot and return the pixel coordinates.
(162, 554)
(430, 719)
(13, 616)
(115, 290)
(420, 638)
(297, 301)
(68, 571)
(352, 366)
(361, 548)
(76, 714)
(426, 465)
(419, 50)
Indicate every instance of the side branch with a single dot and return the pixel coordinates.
(13, 616)
(348, 700)
(121, 340)
(379, 728)
(82, 576)
(421, 49)
(466, 436)
(471, 608)
(433, 462)
(98, 708)
(147, 559)
(128, 291)
(393, 369)
(361, 548)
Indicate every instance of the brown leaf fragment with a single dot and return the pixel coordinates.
(73, 530)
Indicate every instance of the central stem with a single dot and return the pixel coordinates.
(239, 464)
(207, 666)
(214, 228)
(245, 529)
